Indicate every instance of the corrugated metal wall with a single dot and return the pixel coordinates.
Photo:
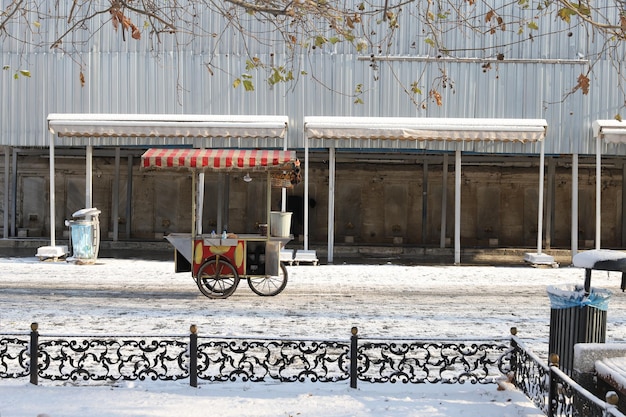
(128, 77)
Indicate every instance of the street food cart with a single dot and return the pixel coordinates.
(217, 261)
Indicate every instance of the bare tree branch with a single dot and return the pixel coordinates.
(13, 8)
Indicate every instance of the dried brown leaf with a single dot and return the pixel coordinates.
(436, 96)
(135, 32)
(350, 22)
(583, 84)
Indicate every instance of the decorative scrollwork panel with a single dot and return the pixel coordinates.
(531, 377)
(420, 362)
(284, 360)
(112, 360)
(14, 357)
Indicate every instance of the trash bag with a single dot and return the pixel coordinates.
(573, 295)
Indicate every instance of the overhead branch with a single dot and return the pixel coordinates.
(12, 9)
(172, 27)
(261, 8)
(73, 27)
(586, 18)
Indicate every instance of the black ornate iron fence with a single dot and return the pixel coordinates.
(553, 391)
(14, 357)
(114, 358)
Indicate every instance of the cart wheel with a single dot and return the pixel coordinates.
(269, 285)
(217, 278)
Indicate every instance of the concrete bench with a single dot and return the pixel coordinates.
(601, 260)
(613, 372)
(601, 368)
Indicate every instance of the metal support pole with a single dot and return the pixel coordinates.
(457, 206)
(425, 202)
(574, 226)
(598, 192)
(194, 206)
(550, 198)
(193, 356)
(226, 205)
(354, 345)
(268, 202)
(89, 177)
(220, 202)
(200, 204)
(129, 196)
(115, 215)
(444, 201)
(540, 204)
(623, 205)
(331, 204)
(283, 193)
(306, 193)
(5, 220)
(52, 192)
(13, 221)
(34, 354)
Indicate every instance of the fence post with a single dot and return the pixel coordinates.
(552, 392)
(193, 356)
(612, 399)
(354, 341)
(513, 358)
(34, 354)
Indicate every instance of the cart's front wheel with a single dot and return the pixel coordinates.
(269, 285)
(217, 278)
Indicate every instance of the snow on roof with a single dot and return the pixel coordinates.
(166, 125)
(589, 258)
(612, 131)
(425, 128)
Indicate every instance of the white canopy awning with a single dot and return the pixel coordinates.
(425, 129)
(166, 125)
(611, 131)
(89, 129)
(330, 132)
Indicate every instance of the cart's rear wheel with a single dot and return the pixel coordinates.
(217, 278)
(269, 285)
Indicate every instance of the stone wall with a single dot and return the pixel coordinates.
(376, 203)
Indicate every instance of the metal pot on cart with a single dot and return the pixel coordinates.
(218, 262)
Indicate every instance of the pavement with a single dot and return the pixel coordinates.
(343, 253)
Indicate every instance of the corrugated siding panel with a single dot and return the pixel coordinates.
(127, 77)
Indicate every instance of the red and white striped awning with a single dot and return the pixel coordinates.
(216, 159)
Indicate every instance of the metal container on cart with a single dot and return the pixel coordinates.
(84, 235)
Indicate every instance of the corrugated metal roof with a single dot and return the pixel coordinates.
(132, 77)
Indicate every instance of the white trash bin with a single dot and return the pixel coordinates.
(84, 235)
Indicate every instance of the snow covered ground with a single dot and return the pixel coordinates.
(125, 296)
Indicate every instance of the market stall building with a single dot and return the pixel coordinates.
(558, 186)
